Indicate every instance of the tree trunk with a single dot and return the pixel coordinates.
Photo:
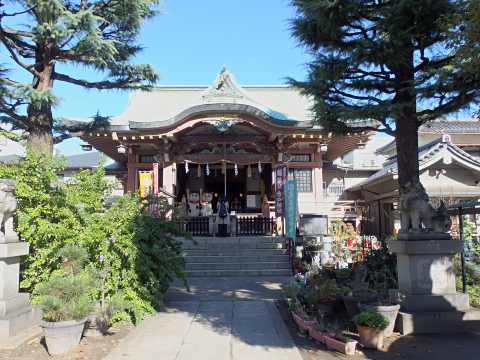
(40, 128)
(407, 148)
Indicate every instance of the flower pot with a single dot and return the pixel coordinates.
(305, 325)
(389, 311)
(317, 335)
(352, 301)
(370, 337)
(62, 336)
(349, 243)
(326, 307)
(342, 280)
(340, 346)
(328, 267)
(96, 325)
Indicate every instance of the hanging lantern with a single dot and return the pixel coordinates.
(236, 169)
(224, 167)
(186, 167)
(259, 167)
(199, 171)
(207, 170)
(174, 166)
(249, 171)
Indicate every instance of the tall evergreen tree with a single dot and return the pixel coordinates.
(100, 35)
(382, 60)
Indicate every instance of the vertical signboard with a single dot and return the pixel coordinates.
(281, 175)
(290, 208)
(145, 183)
(155, 178)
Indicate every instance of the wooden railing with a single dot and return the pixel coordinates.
(198, 225)
(255, 225)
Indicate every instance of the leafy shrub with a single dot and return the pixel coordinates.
(372, 319)
(141, 250)
(345, 272)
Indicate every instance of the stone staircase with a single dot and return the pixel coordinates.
(237, 256)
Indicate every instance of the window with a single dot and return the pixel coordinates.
(147, 159)
(60, 177)
(301, 158)
(303, 177)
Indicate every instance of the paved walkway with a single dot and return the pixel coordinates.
(221, 318)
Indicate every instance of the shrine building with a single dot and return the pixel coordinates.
(197, 133)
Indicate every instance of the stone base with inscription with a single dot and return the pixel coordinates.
(426, 278)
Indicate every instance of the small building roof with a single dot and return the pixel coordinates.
(428, 153)
(451, 126)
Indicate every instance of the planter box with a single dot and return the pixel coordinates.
(344, 348)
(317, 335)
(302, 323)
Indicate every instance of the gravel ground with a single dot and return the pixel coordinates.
(91, 348)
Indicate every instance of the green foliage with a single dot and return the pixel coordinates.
(140, 250)
(99, 35)
(291, 290)
(345, 272)
(372, 319)
(382, 265)
(64, 296)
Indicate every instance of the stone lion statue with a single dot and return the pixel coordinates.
(415, 209)
(8, 206)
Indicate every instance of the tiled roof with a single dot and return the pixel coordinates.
(385, 147)
(425, 155)
(452, 126)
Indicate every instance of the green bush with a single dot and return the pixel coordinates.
(345, 272)
(140, 249)
(371, 318)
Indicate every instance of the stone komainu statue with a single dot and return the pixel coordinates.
(8, 206)
(415, 209)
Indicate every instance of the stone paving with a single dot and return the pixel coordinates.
(230, 330)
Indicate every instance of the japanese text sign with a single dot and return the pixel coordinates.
(281, 175)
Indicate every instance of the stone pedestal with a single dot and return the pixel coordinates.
(426, 279)
(19, 321)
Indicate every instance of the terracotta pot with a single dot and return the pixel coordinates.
(340, 346)
(327, 307)
(370, 337)
(389, 311)
(328, 267)
(351, 302)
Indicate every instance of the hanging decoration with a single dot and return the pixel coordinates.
(249, 171)
(199, 171)
(236, 169)
(259, 167)
(174, 166)
(207, 170)
(186, 167)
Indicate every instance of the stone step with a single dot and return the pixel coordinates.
(230, 246)
(235, 252)
(234, 240)
(238, 266)
(235, 259)
(227, 273)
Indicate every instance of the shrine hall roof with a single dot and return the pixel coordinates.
(452, 126)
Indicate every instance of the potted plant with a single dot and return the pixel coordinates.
(313, 246)
(65, 302)
(317, 330)
(324, 296)
(301, 318)
(371, 326)
(345, 275)
(336, 340)
(357, 290)
(328, 266)
(290, 293)
(98, 320)
(382, 304)
(300, 279)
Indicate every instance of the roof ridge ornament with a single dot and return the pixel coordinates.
(222, 86)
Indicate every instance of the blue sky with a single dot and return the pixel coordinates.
(188, 44)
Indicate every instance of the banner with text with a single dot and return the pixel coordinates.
(290, 208)
(281, 175)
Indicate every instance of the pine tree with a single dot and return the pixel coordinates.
(100, 35)
(384, 61)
